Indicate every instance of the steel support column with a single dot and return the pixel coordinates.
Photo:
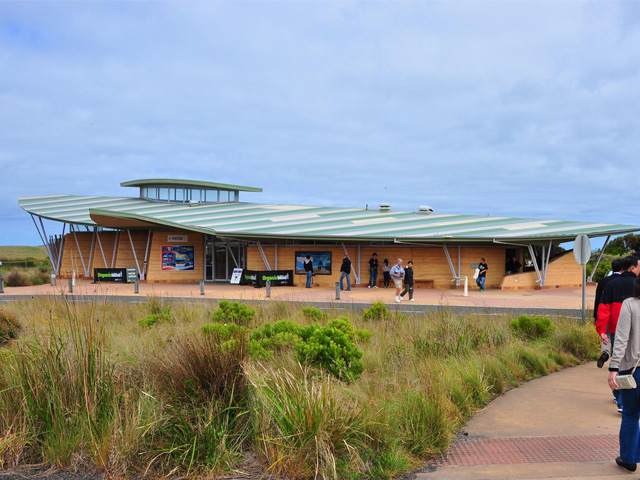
(97, 234)
(593, 272)
(133, 249)
(264, 257)
(535, 263)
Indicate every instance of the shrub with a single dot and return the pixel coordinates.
(9, 327)
(233, 312)
(313, 314)
(533, 327)
(332, 349)
(269, 339)
(378, 311)
(155, 318)
(16, 278)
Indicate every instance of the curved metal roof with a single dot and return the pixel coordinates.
(261, 221)
(176, 182)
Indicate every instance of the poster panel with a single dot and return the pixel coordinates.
(178, 257)
(321, 262)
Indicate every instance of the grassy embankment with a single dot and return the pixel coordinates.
(94, 385)
(24, 265)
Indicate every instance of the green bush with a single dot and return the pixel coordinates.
(155, 318)
(233, 312)
(9, 327)
(269, 339)
(332, 349)
(533, 327)
(378, 311)
(314, 314)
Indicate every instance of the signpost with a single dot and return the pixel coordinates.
(582, 253)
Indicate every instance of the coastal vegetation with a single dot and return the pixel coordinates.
(207, 389)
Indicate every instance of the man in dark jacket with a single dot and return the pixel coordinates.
(616, 292)
(345, 271)
(616, 269)
(408, 281)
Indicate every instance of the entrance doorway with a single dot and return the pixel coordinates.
(221, 257)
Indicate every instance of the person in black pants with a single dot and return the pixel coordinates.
(373, 271)
(408, 281)
(385, 272)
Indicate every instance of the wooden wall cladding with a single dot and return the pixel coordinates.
(160, 239)
(430, 263)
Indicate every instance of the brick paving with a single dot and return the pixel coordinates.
(469, 451)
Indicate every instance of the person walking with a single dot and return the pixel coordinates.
(397, 273)
(345, 271)
(373, 271)
(616, 292)
(482, 267)
(616, 269)
(385, 272)
(308, 267)
(624, 359)
(408, 281)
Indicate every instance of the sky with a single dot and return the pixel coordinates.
(509, 108)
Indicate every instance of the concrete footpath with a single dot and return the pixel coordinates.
(561, 426)
(558, 301)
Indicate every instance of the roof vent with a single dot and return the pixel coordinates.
(425, 210)
(385, 207)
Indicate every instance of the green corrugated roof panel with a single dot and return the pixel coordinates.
(252, 220)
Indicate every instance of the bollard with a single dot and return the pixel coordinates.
(73, 277)
(1, 284)
(53, 279)
(337, 290)
(201, 287)
(268, 288)
(136, 285)
(70, 284)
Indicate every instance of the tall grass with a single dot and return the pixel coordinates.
(87, 385)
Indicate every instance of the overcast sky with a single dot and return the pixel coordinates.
(511, 108)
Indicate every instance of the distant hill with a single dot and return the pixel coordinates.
(9, 253)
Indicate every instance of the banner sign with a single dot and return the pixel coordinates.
(178, 257)
(259, 278)
(110, 275)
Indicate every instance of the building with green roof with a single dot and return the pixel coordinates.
(184, 230)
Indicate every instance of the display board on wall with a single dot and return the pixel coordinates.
(178, 257)
(321, 262)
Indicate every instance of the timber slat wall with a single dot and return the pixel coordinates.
(155, 272)
(563, 271)
(430, 263)
(124, 254)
